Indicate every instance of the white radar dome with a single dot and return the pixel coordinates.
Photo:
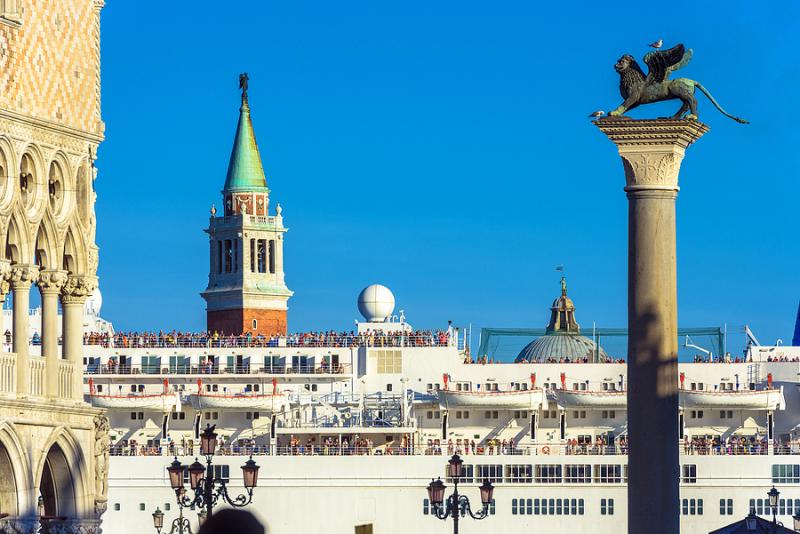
(376, 303)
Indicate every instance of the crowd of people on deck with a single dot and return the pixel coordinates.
(601, 445)
(347, 446)
(174, 338)
(732, 445)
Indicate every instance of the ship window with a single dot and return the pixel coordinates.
(786, 474)
(692, 507)
(520, 414)
(491, 472)
(99, 388)
(389, 361)
(429, 414)
(514, 506)
(429, 387)
(519, 474)
(117, 507)
(578, 474)
(608, 474)
(141, 507)
(548, 474)
(437, 414)
(689, 474)
(388, 387)
(166, 507)
(606, 506)
(726, 507)
(726, 414)
(426, 506)
(579, 414)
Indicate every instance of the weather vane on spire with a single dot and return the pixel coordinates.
(243, 84)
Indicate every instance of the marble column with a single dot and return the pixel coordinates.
(50, 284)
(652, 151)
(22, 277)
(73, 296)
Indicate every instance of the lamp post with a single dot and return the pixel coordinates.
(773, 495)
(180, 525)
(207, 489)
(457, 505)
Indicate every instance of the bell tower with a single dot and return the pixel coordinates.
(246, 290)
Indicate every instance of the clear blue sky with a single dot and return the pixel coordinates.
(442, 149)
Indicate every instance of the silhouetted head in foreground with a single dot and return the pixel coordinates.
(232, 522)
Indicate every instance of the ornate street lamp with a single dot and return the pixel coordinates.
(773, 495)
(751, 522)
(207, 489)
(180, 525)
(456, 505)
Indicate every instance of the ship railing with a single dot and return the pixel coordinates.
(543, 450)
(307, 340)
(214, 369)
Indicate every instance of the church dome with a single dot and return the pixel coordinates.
(563, 339)
(556, 347)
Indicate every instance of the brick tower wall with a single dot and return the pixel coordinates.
(240, 321)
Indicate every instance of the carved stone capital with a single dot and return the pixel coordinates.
(652, 150)
(651, 170)
(51, 281)
(77, 289)
(15, 525)
(22, 276)
(5, 277)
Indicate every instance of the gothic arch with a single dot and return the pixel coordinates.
(45, 250)
(83, 189)
(61, 476)
(17, 240)
(60, 187)
(31, 182)
(9, 169)
(74, 257)
(13, 474)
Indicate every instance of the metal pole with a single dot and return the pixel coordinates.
(454, 506)
(208, 487)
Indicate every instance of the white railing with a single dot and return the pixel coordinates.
(8, 373)
(543, 451)
(66, 369)
(301, 340)
(37, 376)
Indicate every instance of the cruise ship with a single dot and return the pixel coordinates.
(349, 428)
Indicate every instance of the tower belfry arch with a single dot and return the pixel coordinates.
(246, 291)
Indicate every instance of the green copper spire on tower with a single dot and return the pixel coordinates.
(245, 172)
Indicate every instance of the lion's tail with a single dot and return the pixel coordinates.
(716, 104)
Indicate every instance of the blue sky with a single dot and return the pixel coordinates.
(442, 149)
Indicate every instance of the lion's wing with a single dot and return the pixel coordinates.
(662, 62)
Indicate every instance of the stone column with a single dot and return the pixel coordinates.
(22, 276)
(73, 296)
(50, 284)
(652, 151)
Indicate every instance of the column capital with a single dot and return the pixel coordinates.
(5, 277)
(77, 289)
(652, 151)
(22, 275)
(51, 281)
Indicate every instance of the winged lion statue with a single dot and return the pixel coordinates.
(637, 88)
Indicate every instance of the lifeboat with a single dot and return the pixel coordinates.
(601, 399)
(763, 399)
(275, 402)
(162, 402)
(530, 399)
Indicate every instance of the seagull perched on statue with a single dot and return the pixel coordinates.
(597, 114)
(657, 44)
